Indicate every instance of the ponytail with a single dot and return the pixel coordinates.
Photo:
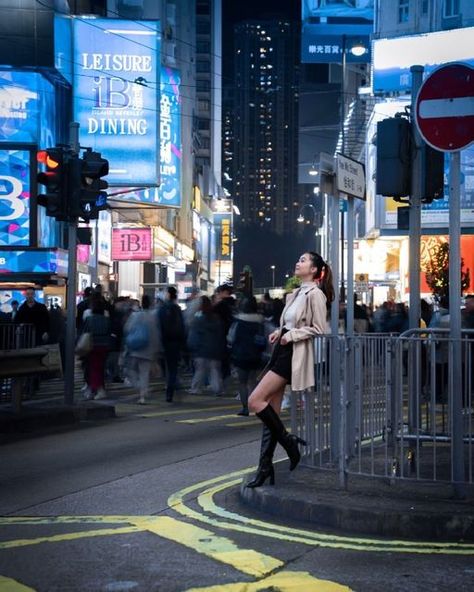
(324, 275)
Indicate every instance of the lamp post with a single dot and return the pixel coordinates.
(272, 267)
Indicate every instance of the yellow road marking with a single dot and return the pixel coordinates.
(176, 501)
(9, 585)
(285, 581)
(70, 536)
(206, 542)
(182, 411)
(248, 422)
(206, 419)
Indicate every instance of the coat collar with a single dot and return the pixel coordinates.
(293, 295)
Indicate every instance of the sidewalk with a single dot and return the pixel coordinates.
(370, 506)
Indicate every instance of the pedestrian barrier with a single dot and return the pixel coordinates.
(389, 406)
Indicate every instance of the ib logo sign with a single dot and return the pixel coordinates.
(131, 244)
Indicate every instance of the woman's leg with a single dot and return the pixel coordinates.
(199, 375)
(269, 390)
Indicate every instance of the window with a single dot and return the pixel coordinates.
(403, 10)
(203, 28)
(203, 105)
(203, 47)
(203, 85)
(203, 124)
(203, 66)
(451, 8)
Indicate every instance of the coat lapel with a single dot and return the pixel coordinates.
(302, 309)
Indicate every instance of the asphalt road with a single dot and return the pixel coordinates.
(149, 502)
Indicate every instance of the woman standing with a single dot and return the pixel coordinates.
(292, 361)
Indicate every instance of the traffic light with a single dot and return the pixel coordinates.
(87, 187)
(393, 157)
(433, 174)
(54, 178)
(245, 284)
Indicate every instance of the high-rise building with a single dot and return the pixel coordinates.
(260, 135)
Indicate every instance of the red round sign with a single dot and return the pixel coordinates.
(445, 108)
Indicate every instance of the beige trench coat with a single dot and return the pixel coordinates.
(311, 320)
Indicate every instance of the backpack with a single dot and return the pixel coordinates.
(171, 321)
(138, 337)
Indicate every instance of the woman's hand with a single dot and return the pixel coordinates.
(274, 336)
(284, 340)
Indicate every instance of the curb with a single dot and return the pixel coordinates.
(361, 517)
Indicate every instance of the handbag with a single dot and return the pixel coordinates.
(84, 345)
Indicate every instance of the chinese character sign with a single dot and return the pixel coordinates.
(170, 138)
(14, 197)
(116, 95)
(131, 244)
(223, 227)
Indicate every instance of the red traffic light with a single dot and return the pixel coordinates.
(48, 158)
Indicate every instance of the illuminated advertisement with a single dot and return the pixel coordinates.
(170, 138)
(52, 261)
(330, 25)
(104, 237)
(27, 108)
(394, 57)
(116, 95)
(131, 244)
(8, 296)
(14, 197)
(223, 234)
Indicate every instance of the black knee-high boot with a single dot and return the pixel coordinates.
(265, 464)
(289, 441)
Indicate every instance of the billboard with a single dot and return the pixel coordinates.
(170, 138)
(38, 261)
(394, 57)
(223, 236)
(331, 26)
(116, 95)
(132, 244)
(14, 197)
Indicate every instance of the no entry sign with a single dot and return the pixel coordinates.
(445, 108)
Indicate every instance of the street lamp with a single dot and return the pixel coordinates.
(272, 267)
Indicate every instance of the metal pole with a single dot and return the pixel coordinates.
(414, 312)
(415, 207)
(71, 290)
(350, 267)
(343, 150)
(455, 383)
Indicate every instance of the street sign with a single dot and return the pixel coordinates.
(350, 176)
(445, 108)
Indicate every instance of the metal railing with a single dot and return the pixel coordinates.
(384, 406)
(13, 337)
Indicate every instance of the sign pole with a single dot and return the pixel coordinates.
(455, 382)
(71, 290)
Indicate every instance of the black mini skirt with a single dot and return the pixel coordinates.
(280, 361)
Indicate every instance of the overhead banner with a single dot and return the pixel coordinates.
(14, 197)
(131, 244)
(51, 261)
(116, 64)
(170, 138)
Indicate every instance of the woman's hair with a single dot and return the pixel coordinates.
(96, 303)
(323, 273)
(146, 302)
(205, 305)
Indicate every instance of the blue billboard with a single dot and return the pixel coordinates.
(34, 261)
(14, 197)
(330, 28)
(170, 138)
(116, 95)
(27, 108)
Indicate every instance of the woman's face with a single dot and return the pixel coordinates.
(304, 266)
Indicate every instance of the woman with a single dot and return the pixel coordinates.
(143, 344)
(98, 325)
(206, 342)
(247, 340)
(292, 361)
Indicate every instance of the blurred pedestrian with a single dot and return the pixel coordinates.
(173, 335)
(304, 317)
(82, 307)
(98, 325)
(143, 346)
(32, 312)
(247, 340)
(206, 343)
(224, 305)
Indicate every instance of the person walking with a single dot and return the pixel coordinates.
(292, 362)
(173, 335)
(97, 323)
(143, 346)
(206, 342)
(247, 340)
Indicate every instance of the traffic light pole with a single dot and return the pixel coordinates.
(71, 290)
